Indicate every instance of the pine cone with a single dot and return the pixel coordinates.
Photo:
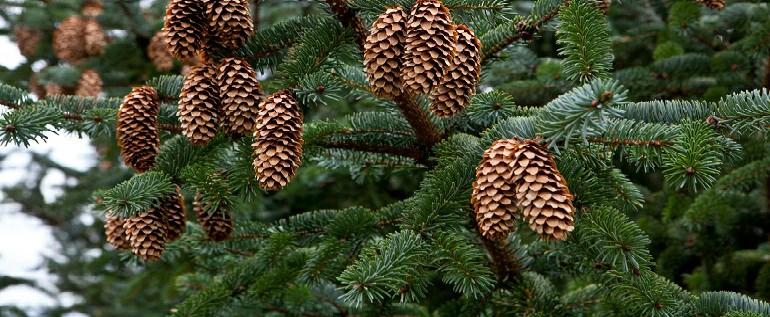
(218, 224)
(137, 130)
(185, 27)
(147, 234)
(90, 84)
(158, 53)
(429, 48)
(713, 4)
(229, 21)
(116, 235)
(603, 5)
(541, 192)
(35, 87)
(91, 8)
(240, 95)
(27, 39)
(459, 84)
(278, 140)
(383, 49)
(95, 39)
(68, 40)
(199, 105)
(56, 90)
(493, 194)
(173, 210)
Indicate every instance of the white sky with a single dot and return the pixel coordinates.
(23, 239)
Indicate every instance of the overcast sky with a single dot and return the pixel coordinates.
(23, 239)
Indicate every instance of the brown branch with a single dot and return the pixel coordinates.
(505, 264)
(427, 133)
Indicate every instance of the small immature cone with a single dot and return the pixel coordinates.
(147, 234)
(229, 22)
(218, 224)
(90, 84)
(493, 194)
(137, 128)
(173, 210)
(240, 94)
(27, 40)
(68, 40)
(542, 192)
(429, 48)
(199, 105)
(116, 235)
(278, 140)
(158, 53)
(185, 27)
(94, 37)
(713, 4)
(383, 49)
(456, 88)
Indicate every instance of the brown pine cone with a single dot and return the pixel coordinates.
(91, 8)
(158, 53)
(240, 94)
(137, 129)
(217, 224)
(429, 48)
(68, 40)
(493, 194)
(147, 234)
(116, 235)
(27, 40)
(35, 87)
(278, 140)
(95, 39)
(458, 85)
(603, 5)
(199, 105)
(56, 90)
(541, 192)
(173, 210)
(90, 84)
(383, 49)
(229, 21)
(185, 27)
(713, 4)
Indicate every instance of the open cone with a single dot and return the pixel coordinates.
(174, 211)
(229, 22)
(137, 128)
(116, 235)
(458, 85)
(68, 40)
(27, 39)
(94, 37)
(278, 140)
(158, 53)
(493, 195)
(218, 224)
(90, 84)
(240, 94)
(185, 27)
(383, 49)
(147, 234)
(429, 46)
(199, 105)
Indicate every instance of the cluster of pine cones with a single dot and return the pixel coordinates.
(146, 234)
(74, 39)
(520, 176)
(423, 53)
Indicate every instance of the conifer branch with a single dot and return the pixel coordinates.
(349, 19)
(411, 152)
(504, 262)
(427, 132)
(523, 30)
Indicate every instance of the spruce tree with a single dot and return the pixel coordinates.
(400, 157)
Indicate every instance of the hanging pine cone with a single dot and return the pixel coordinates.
(240, 96)
(278, 140)
(27, 40)
(493, 195)
(429, 48)
(55, 90)
(68, 40)
(90, 84)
(217, 224)
(541, 192)
(116, 235)
(199, 105)
(229, 21)
(173, 210)
(158, 53)
(185, 27)
(383, 49)
(91, 8)
(137, 130)
(459, 84)
(603, 5)
(147, 234)
(95, 39)
(713, 4)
